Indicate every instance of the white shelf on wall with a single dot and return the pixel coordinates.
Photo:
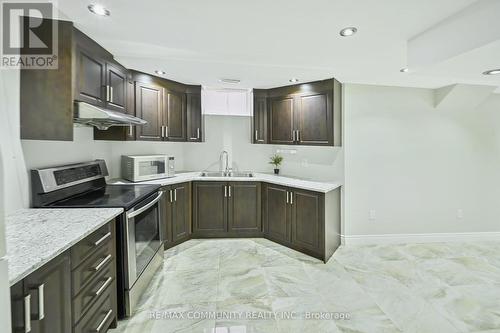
(226, 102)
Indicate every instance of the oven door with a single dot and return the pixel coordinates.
(143, 237)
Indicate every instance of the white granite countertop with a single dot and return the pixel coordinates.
(310, 185)
(36, 236)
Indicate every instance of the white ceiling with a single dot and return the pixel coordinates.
(266, 42)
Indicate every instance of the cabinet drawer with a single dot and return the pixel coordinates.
(104, 280)
(92, 266)
(99, 316)
(90, 244)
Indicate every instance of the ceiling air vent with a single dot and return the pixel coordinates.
(230, 81)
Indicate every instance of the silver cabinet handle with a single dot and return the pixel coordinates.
(256, 135)
(111, 94)
(27, 313)
(291, 198)
(294, 135)
(107, 94)
(102, 239)
(101, 325)
(163, 131)
(287, 198)
(229, 191)
(198, 136)
(298, 136)
(166, 131)
(225, 191)
(102, 263)
(144, 208)
(41, 302)
(104, 286)
(130, 130)
(170, 193)
(175, 195)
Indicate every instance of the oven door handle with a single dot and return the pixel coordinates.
(142, 209)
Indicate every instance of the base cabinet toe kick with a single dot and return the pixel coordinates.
(74, 292)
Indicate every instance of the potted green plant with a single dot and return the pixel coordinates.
(276, 161)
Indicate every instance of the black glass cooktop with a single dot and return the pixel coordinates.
(121, 196)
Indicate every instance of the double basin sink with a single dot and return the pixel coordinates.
(227, 174)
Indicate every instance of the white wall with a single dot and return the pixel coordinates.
(233, 134)
(16, 181)
(39, 154)
(10, 194)
(416, 166)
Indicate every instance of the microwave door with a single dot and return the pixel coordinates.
(150, 168)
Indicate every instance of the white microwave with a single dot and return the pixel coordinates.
(139, 168)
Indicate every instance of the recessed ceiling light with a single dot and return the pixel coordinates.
(230, 81)
(160, 72)
(293, 80)
(349, 31)
(99, 10)
(404, 70)
(492, 72)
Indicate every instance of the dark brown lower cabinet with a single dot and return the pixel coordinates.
(94, 291)
(306, 221)
(42, 301)
(209, 209)
(74, 292)
(177, 213)
(226, 209)
(244, 208)
(276, 212)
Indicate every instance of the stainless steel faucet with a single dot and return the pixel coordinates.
(226, 169)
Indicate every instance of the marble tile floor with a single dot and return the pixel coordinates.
(255, 285)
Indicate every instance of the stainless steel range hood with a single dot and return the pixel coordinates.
(102, 118)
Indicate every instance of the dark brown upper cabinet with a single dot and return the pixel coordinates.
(194, 120)
(46, 294)
(46, 99)
(314, 119)
(88, 73)
(260, 116)
(119, 133)
(100, 80)
(92, 71)
(174, 116)
(303, 114)
(149, 106)
(116, 87)
(281, 120)
(90, 78)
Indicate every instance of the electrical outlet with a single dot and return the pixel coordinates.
(372, 215)
(460, 214)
